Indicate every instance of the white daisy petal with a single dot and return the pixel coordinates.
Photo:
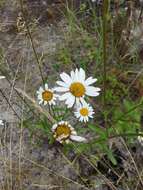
(74, 133)
(78, 138)
(97, 89)
(70, 101)
(77, 102)
(63, 84)
(84, 120)
(46, 86)
(76, 77)
(92, 91)
(64, 96)
(82, 100)
(39, 96)
(1, 122)
(41, 101)
(62, 122)
(66, 123)
(61, 89)
(90, 81)
(66, 78)
(54, 127)
(72, 75)
(45, 103)
(82, 74)
(67, 141)
(41, 89)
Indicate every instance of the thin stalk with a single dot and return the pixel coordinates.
(133, 161)
(31, 40)
(123, 135)
(10, 104)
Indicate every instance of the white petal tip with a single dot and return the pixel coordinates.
(78, 138)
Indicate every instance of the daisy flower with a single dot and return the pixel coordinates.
(84, 112)
(46, 95)
(2, 77)
(64, 132)
(74, 87)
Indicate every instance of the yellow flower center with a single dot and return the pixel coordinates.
(47, 95)
(63, 130)
(77, 89)
(84, 111)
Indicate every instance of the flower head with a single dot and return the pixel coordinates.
(46, 95)
(74, 87)
(64, 132)
(84, 112)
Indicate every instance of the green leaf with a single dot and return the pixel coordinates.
(99, 131)
(111, 157)
(109, 153)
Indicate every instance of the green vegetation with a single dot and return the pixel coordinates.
(99, 39)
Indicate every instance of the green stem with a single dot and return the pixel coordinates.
(118, 135)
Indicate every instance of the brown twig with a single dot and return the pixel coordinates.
(10, 104)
